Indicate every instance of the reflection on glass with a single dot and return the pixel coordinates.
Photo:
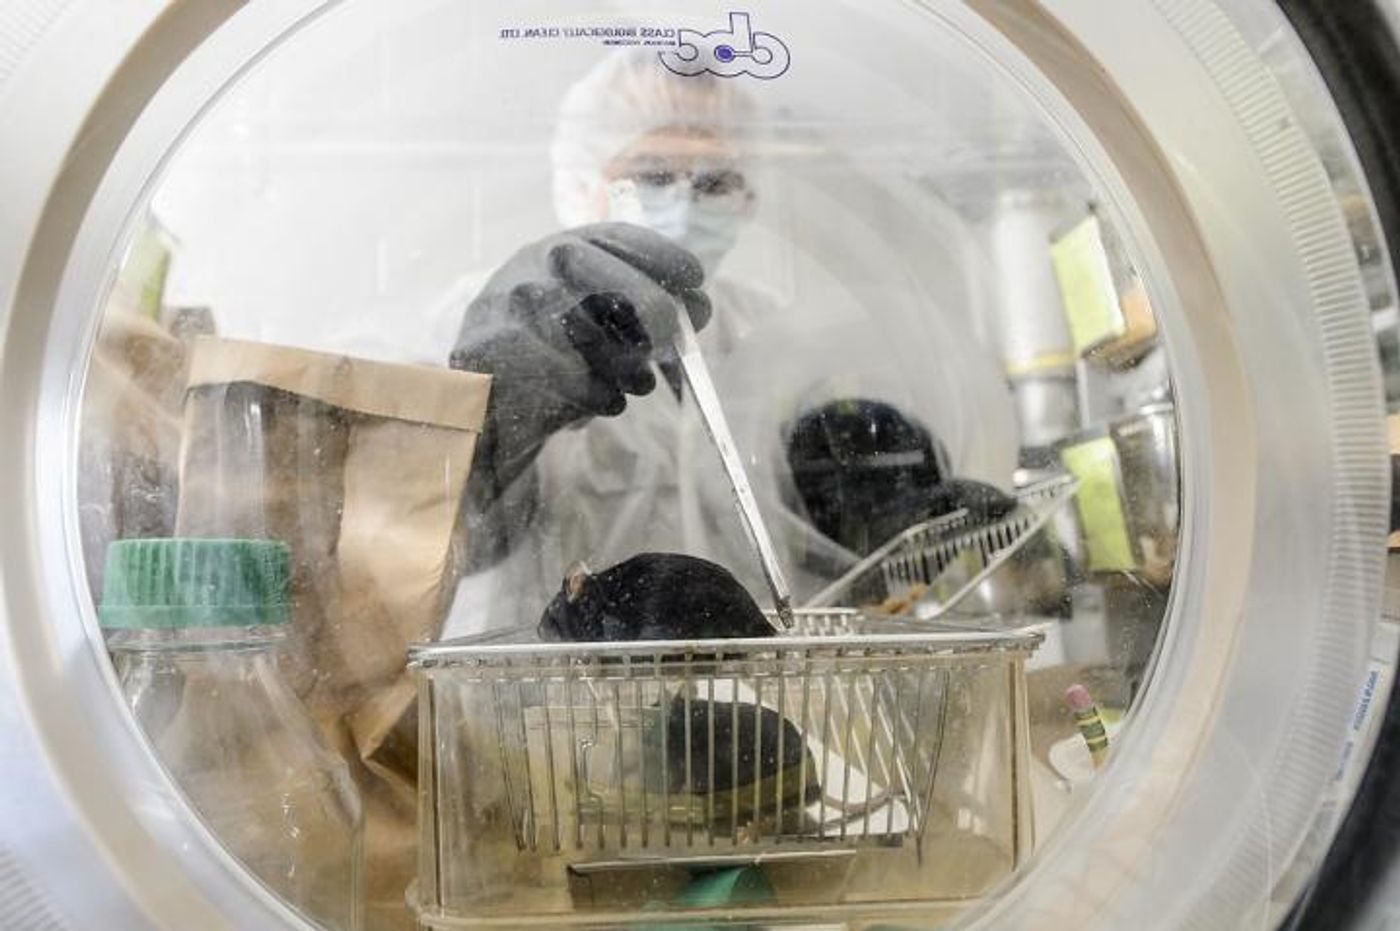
(414, 323)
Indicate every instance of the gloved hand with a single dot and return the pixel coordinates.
(567, 328)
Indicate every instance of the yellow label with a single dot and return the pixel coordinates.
(1086, 286)
(1100, 504)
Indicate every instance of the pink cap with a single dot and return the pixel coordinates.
(1078, 698)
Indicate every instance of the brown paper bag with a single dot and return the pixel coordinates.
(360, 467)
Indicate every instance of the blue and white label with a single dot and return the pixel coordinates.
(729, 53)
(607, 34)
(737, 51)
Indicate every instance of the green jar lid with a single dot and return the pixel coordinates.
(173, 583)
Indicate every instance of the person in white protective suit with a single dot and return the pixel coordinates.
(593, 449)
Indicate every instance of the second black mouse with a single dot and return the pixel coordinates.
(653, 596)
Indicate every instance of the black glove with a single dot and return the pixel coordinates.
(863, 470)
(568, 328)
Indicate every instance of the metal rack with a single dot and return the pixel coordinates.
(948, 556)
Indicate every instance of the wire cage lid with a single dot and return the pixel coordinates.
(834, 633)
(935, 553)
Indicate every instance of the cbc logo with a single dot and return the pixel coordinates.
(728, 53)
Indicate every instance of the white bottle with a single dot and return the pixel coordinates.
(194, 627)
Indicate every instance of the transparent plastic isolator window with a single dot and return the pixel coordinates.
(406, 300)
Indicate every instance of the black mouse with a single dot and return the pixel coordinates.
(738, 726)
(653, 596)
(984, 503)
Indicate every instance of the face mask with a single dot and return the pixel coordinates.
(710, 232)
(705, 226)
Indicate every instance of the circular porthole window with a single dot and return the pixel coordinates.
(629, 465)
